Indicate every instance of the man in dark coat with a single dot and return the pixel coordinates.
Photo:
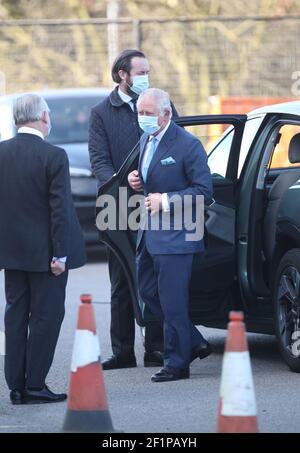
(114, 131)
(40, 239)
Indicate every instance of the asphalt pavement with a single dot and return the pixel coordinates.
(135, 403)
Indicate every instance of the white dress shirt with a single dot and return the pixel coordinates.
(164, 196)
(30, 130)
(126, 98)
(33, 131)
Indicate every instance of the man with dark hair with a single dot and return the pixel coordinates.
(114, 129)
(113, 133)
(124, 63)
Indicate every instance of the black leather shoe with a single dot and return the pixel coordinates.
(153, 358)
(16, 396)
(118, 361)
(170, 374)
(43, 396)
(203, 350)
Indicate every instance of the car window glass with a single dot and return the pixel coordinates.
(280, 157)
(69, 118)
(219, 156)
(251, 127)
(211, 135)
(218, 159)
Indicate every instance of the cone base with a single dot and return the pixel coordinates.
(88, 422)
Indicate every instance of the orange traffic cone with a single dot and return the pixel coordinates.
(237, 406)
(87, 406)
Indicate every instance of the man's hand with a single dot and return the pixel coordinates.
(57, 268)
(153, 202)
(134, 181)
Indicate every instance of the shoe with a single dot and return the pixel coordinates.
(16, 396)
(153, 358)
(170, 374)
(42, 396)
(202, 350)
(117, 361)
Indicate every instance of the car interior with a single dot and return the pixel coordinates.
(276, 192)
(282, 171)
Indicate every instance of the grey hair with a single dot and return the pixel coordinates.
(29, 108)
(161, 97)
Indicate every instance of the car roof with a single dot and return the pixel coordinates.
(285, 107)
(62, 93)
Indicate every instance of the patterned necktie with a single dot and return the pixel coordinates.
(148, 157)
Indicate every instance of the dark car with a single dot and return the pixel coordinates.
(252, 259)
(70, 110)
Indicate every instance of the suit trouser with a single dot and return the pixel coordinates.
(164, 282)
(33, 316)
(122, 327)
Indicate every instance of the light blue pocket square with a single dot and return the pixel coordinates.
(168, 161)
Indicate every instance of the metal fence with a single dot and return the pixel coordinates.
(193, 59)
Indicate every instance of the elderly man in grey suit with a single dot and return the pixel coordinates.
(40, 240)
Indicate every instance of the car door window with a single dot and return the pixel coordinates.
(280, 157)
(219, 154)
(251, 128)
(217, 140)
(218, 158)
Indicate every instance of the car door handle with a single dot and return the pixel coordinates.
(243, 239)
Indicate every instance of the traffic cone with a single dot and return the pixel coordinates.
(87, 405)
(237, 406)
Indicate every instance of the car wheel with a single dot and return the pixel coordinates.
(287, 308)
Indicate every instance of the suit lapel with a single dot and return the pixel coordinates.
(163, 147)
(143, 144)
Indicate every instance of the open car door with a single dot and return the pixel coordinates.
(213, 278)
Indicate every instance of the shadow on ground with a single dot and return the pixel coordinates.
(260, 346)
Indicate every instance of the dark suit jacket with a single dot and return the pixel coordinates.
(113, 133)
(37, 215)
(188, 174)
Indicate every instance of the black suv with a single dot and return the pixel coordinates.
(252, 260)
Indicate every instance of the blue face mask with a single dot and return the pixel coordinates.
(140, 83)
(148, 124)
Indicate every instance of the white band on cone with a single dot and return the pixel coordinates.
(86, 349)
(2, 343)
(237, 389)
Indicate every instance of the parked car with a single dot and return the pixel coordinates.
(70, 110)
(252, 260)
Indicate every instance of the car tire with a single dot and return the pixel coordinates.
(286, 295)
